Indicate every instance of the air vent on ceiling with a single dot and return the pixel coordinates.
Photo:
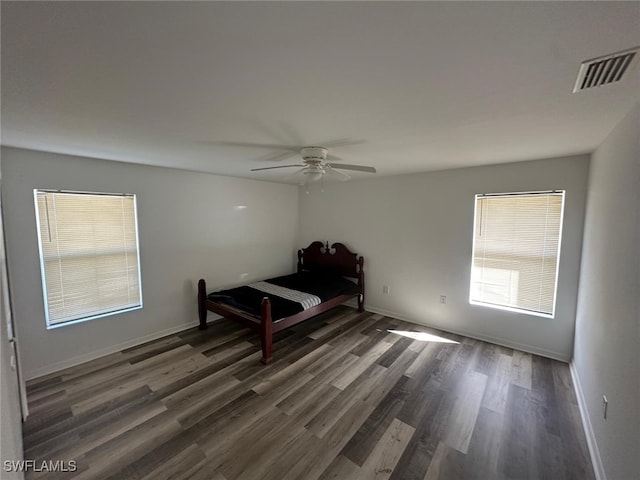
(604, 70)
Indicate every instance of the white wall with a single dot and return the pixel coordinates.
(188, 227)
(607, 341)
(415, 232)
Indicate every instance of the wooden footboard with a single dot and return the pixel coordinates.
(264, 323)
(266, 330)
(202, 304)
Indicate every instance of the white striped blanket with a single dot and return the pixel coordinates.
(305, 299)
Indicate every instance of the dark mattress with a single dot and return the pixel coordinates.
(323, 285)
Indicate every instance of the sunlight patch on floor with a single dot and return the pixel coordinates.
(422, 336)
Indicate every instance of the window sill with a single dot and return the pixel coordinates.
(93, 317)
(512, 309)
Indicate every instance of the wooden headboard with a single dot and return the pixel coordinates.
(338, 259)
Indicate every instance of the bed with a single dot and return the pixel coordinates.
(320, 284)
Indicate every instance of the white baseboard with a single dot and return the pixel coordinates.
(596, 461)
(73, 361)
(478, 336)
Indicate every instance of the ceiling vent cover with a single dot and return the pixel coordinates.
(604, 70)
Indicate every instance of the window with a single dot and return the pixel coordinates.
(516, 248)
(88, 255)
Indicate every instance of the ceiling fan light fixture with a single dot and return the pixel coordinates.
(313, 175)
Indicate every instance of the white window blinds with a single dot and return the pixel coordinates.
(88, 254)
(516, 249)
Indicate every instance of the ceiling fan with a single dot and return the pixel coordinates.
(315, 166)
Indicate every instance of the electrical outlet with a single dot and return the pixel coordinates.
(385, 289)
(443, 299)
(605, 406)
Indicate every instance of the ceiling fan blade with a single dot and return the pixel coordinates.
(346, 166)
(271, 168)
(331, 172)
(292, 148)
(279, 156)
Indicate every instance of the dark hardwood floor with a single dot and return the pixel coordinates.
(345, 398)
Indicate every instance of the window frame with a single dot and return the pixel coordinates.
(43, 278)
(497, 306)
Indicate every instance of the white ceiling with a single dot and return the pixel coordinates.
(424, 85)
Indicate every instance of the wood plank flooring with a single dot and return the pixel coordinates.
(344, 398)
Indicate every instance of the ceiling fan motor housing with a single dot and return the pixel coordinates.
(314, 153)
